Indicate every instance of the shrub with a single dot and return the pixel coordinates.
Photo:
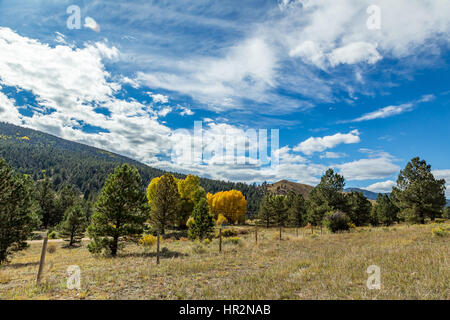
(230, 232)
(337, 221)
(202, 225)
(147, 241)
(439, 232)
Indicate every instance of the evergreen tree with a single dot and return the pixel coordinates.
(201, 225)
(418, 194)
(280, 210)
(386, 212)
(17, 218)
(46, 198)
(67, 198)
(297, 212)
(316, 213)
(265, 214)
(165, 203)
(74, 224)
(120, 211)
(329, 191)
(358, 208)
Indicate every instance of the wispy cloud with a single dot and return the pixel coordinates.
(391, 111)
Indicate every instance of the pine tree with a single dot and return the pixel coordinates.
(17, 218)
(74, 224)
(296, 209)
(358, 208)
(265, 213)
(278, 204)
(66, 198)
(385, 211)
(201, 225)
(316, 213)
(329, 191)
(46, 198)
(120, 211)
(165, 204)
(418, 194)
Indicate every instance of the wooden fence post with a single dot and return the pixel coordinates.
(296, 231)
(42, 261)
(280, 232)
(256, 235)
(220, 239)
(157, 249)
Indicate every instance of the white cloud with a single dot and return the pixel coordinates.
(382, 187)
(8, 111)
(164, 111)
(158, 98)
(247, 70)
(319, 144)
(353, 53)
(385, 112)
(394, 110)
(186, 111)
(333, 155)
(368, 169)
(310, 52)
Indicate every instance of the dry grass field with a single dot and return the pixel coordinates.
(414, 265)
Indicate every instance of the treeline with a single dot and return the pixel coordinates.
(417, 197)
(63, 162)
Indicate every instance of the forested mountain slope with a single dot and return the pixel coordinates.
(37, 154)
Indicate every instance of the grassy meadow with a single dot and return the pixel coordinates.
(414, 262)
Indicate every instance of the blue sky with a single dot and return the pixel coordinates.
(137, 75)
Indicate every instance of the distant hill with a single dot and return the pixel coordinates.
(368, 194)
(37, 154)
(284, 186)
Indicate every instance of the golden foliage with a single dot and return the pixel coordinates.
(147, 240)
(231, 204)
(152, 188)
(221, 220)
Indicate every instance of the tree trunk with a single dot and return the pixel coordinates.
(114, 245)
